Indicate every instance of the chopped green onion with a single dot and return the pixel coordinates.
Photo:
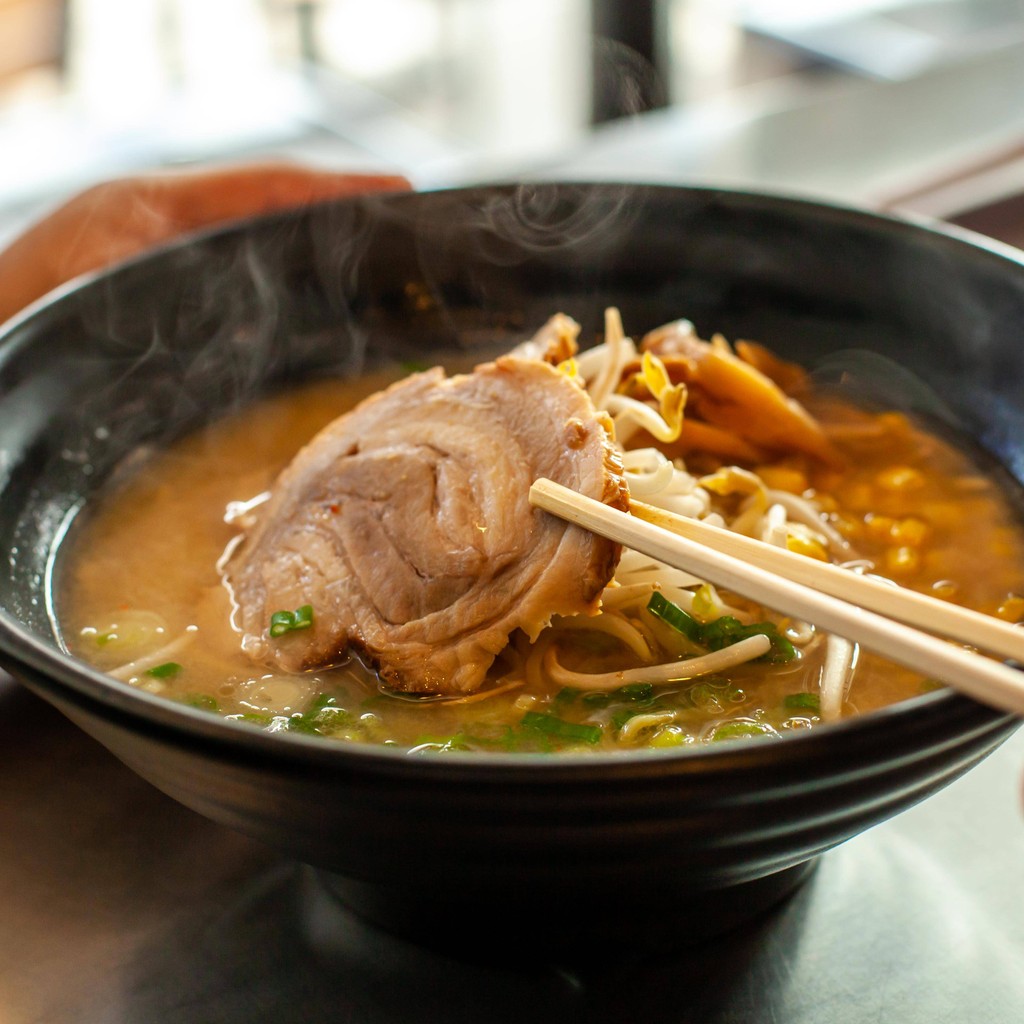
(322, 715)
(286, 622)
(727, 630)
(620, 718)
(551, 725)
(299, 723)
(704, 603)
(319, 703)
(459, 742)
(721, 632)
(714, 695)
(673, 615)
(635, 691)
(802, 701)
(251, 716)
(164, 671)
(781, 649)
(737, 730)
(669, 736)
(203, 701)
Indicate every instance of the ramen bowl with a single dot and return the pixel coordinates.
(499, 851)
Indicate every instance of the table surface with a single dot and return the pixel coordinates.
(121, 906)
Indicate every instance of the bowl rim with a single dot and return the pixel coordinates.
(86, 687)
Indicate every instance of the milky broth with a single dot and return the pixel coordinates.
(139, 585)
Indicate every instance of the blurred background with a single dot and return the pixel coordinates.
(878, 102)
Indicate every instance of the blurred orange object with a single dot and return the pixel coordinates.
(118, 219)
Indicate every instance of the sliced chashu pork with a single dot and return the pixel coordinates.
(406, 525)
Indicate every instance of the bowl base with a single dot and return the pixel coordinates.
(529, 925)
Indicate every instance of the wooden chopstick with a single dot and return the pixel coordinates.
(988, 681)
(928, 613)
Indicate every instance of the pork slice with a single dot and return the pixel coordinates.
(406, 526)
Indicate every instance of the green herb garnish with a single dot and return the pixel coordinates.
(202, 701)
(714, 695)
(322, 715)
(252, 716)
(286, 622)
(551, 725)
(164, 671)
(721, 632)
(727, 630)
(802, 701)
(621, 717)
(635, 691)
(737, 730)
(674, 616)
(566, 695)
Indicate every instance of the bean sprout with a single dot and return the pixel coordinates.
(717, 661)
(770, 514)
(835, 676)
(135, 668)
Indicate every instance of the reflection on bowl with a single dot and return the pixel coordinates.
(605, 847)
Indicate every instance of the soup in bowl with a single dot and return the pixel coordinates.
(140, 404)
(257, 570)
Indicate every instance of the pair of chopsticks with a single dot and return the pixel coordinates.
(890, 621)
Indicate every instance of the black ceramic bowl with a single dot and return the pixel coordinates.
(659, 844)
